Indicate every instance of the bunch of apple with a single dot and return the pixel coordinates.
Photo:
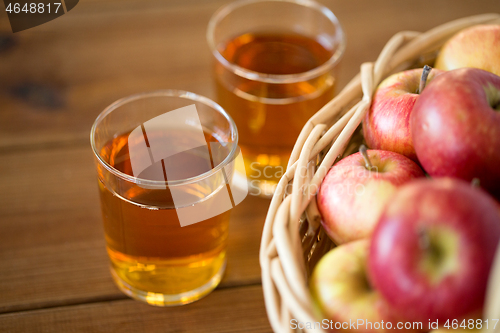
(412, 248)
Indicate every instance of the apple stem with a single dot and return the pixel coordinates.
(364, 153)
(423, 78)
(475, 182)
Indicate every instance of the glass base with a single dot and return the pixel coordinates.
(158, 299)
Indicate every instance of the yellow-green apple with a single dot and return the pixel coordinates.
(342, 293)
(352, 195)
(455, 126)
(386, 125)
(478, 47)
(433, 248)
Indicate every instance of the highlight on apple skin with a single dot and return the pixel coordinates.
(386, 125)
(433, 248)
(352, 196)
(455, 127)
(477, 47)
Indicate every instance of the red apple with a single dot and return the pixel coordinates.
(387, 124)
(478, 47)
(456, 127)
(352, 196)
(342, 294)
(433, 248)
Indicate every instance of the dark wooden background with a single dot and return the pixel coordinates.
(54, 80)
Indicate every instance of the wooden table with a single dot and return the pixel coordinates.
(54, 80)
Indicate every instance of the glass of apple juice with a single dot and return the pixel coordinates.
(275, 65)
(165, 161)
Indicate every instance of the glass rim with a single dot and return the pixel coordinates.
(275, 78)
(165, 93)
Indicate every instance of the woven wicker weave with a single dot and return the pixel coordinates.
(293, 239)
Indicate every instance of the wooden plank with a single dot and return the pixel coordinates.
(102, 51)
(88, 58)
(227, 310)
(52, 248)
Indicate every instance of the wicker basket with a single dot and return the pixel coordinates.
(293, 239)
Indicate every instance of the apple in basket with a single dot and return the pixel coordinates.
(455, 126)
(356, 189)
(343, 295)
(386, 125)
(478, 47)
(432, 250)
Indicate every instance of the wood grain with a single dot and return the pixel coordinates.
(227, 310)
